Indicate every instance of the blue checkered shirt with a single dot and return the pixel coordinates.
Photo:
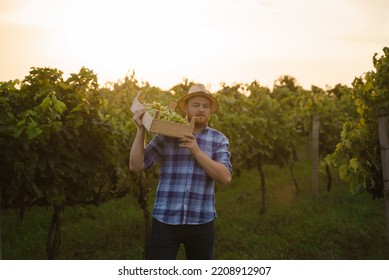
(185, 193)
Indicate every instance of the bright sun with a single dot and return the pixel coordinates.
(119, 35)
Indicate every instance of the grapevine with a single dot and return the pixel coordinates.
(357, 155)
(165, 113)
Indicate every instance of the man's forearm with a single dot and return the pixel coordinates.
(216, 170)
(137, 153)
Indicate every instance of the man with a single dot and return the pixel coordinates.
(184, 208)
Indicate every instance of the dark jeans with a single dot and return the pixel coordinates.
(198, 241)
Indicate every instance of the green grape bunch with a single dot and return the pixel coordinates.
(164, 112)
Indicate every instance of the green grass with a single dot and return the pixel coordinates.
(334, 225)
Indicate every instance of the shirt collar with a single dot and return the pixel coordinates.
(203, 131)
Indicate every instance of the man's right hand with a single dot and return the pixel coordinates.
(137, 118)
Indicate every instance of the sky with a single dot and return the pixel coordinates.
(318, 42)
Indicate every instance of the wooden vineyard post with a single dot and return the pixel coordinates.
(383, 130)
(315, 155)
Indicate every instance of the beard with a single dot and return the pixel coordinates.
(201, 120)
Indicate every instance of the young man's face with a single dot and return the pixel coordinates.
(199, 107)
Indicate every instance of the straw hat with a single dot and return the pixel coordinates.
(198, 90)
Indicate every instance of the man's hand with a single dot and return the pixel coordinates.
(137, 153)
(137, 118)
(189, 141)
(214, 169)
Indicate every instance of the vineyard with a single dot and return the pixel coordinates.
(64, 145)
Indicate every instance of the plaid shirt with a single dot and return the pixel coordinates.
(185, 193)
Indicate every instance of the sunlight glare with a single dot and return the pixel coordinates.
(122, 35)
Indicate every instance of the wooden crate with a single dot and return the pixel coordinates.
(155, 125)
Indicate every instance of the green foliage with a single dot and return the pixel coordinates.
(357, 155)
(57, 145)
(257, 129)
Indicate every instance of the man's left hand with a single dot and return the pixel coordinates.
(189, 141)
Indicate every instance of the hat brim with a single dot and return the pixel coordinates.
(182, 102)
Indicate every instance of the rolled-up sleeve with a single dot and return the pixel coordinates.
(153, 151)
(222, 154)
